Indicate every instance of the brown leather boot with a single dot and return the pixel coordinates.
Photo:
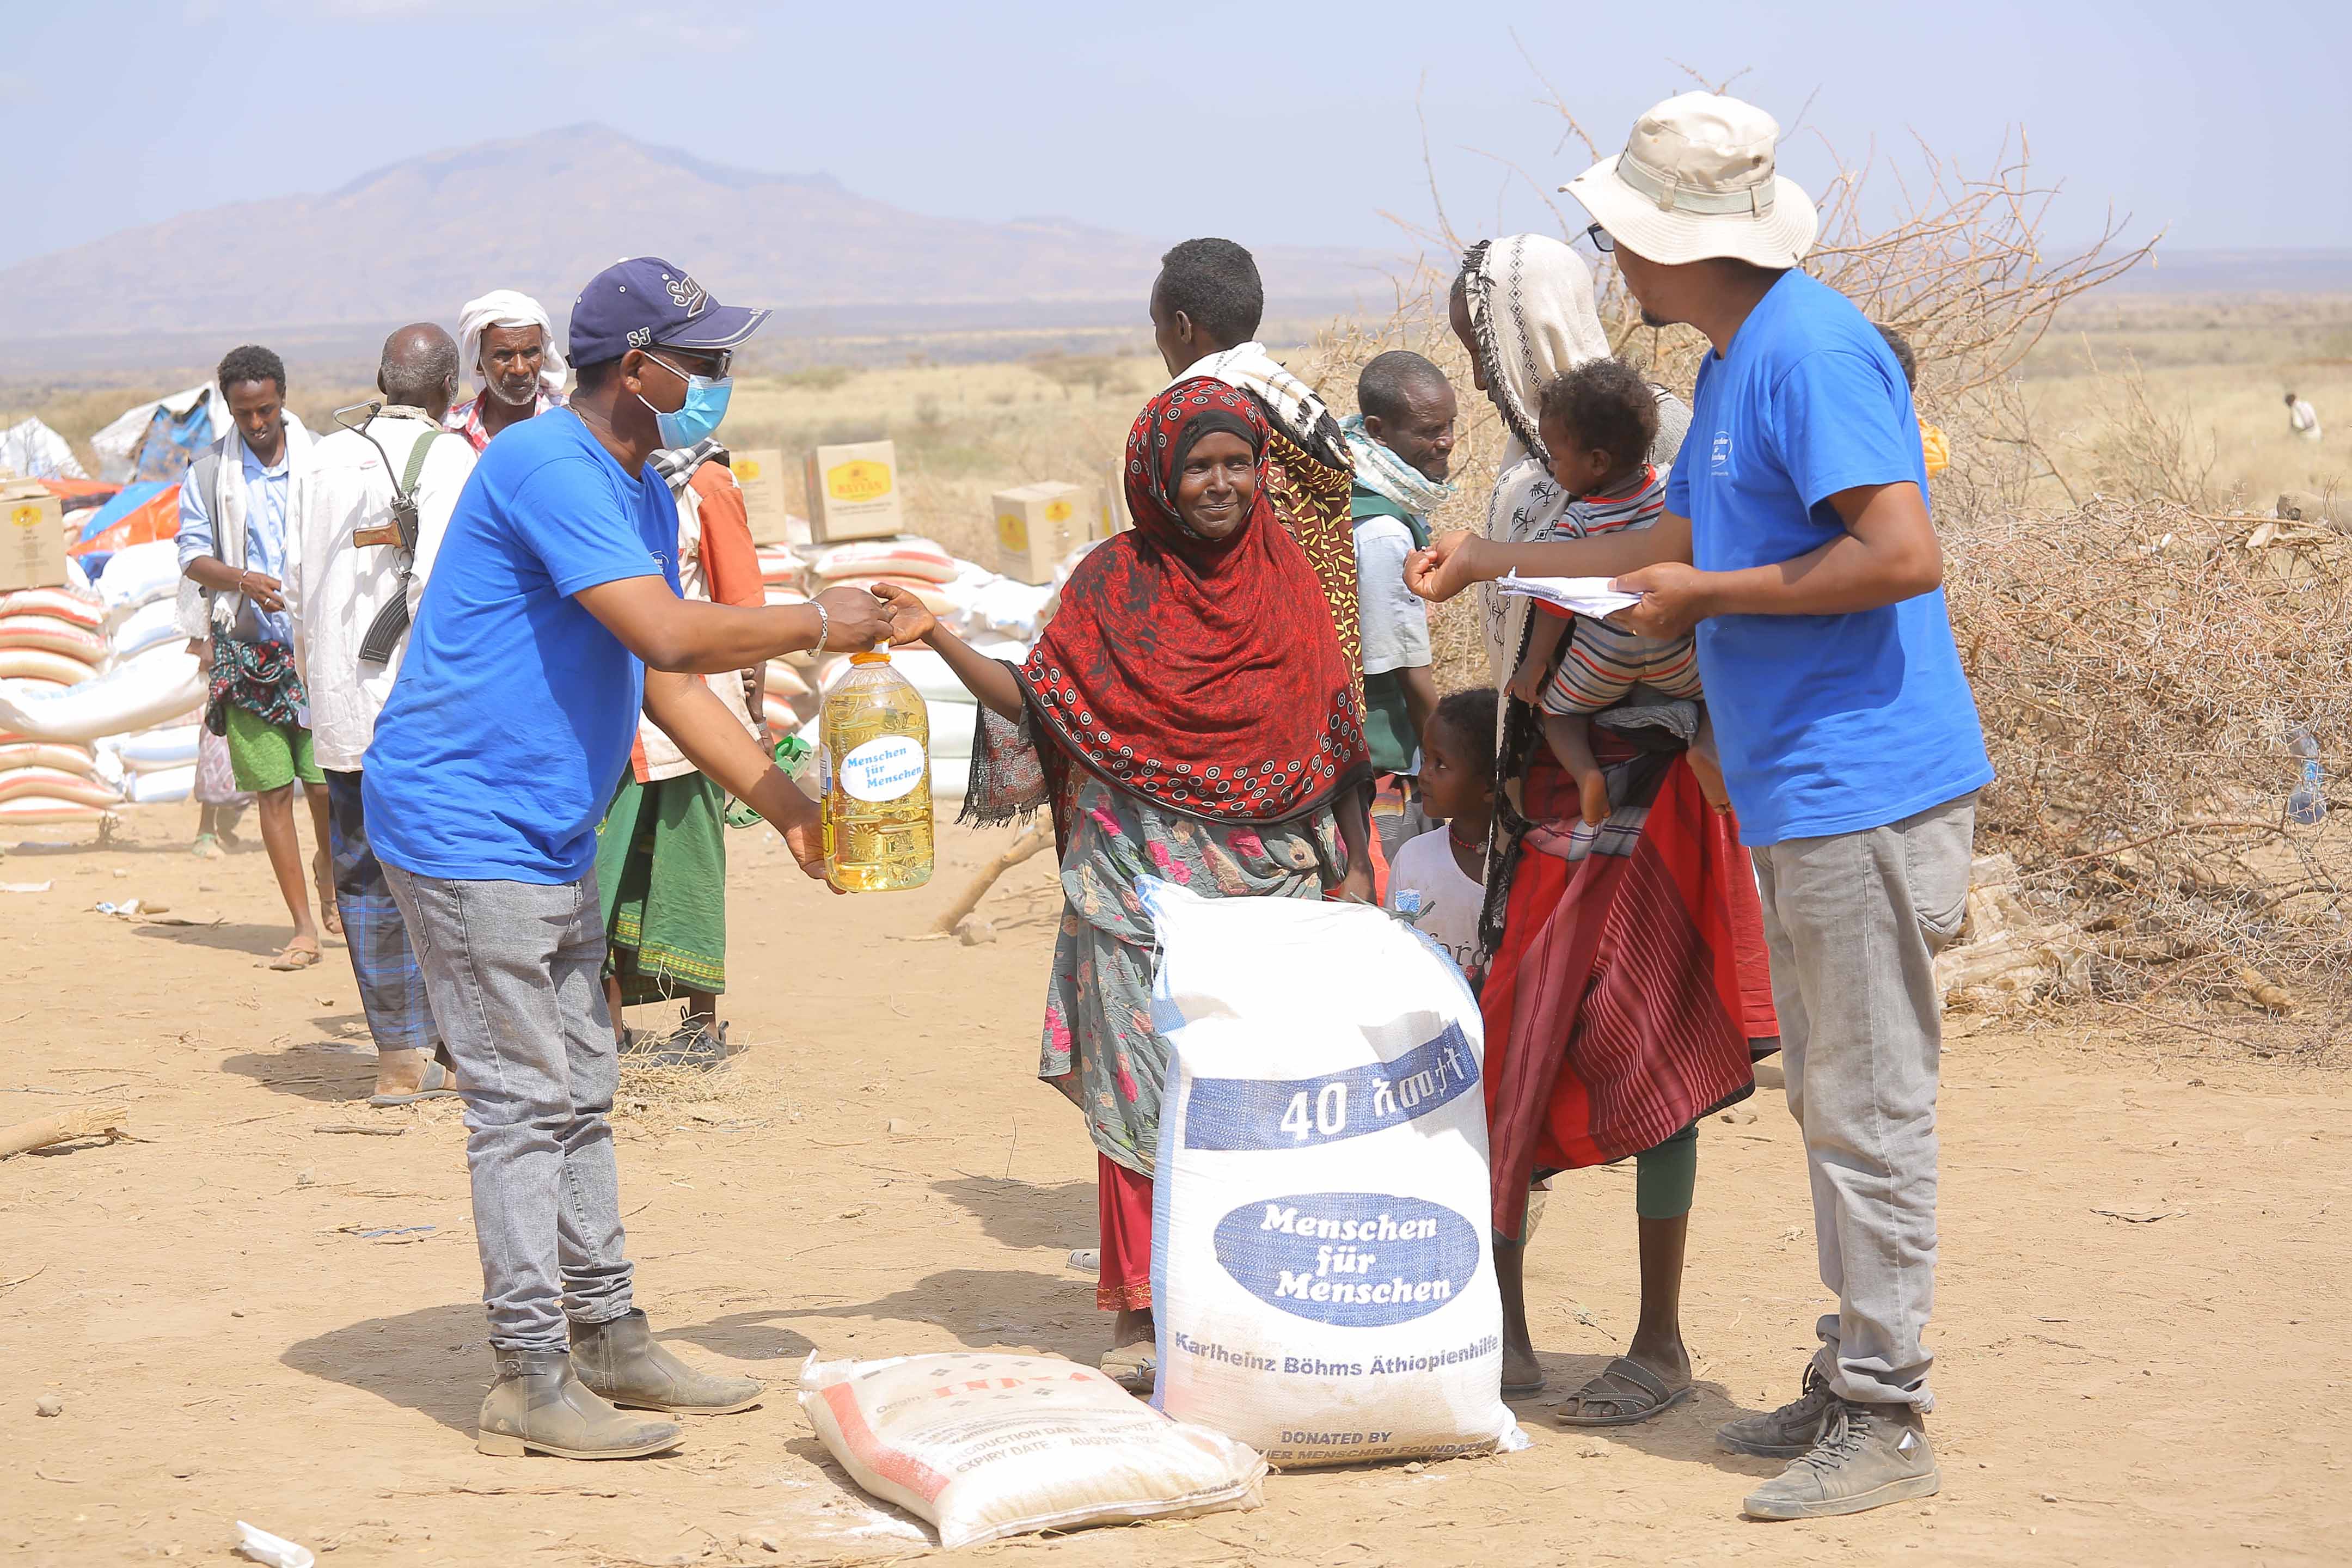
(621, 1360)
(539, 1405)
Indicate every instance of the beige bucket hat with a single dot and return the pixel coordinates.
(1696, 181)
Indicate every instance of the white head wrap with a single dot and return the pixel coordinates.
(1532, 314)
(507, 308)
(1532, 309)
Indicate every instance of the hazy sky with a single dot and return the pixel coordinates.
(2228, 124)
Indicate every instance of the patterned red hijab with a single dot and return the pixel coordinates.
(1202, 674)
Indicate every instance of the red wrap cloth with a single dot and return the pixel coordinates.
(1630, 991)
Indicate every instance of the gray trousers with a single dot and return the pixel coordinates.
(1854, 921)
(513, 972)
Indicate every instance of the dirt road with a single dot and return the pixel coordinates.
(2138, 1328)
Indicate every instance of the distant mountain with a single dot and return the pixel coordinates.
(543, 213)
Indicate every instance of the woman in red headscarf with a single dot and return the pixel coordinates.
(1187, 715)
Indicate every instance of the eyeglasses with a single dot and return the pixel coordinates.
(1601, 240)
(719, 363)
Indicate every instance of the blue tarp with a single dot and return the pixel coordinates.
(132, 498)
(171, 443)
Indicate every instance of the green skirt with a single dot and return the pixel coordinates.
(661, 875)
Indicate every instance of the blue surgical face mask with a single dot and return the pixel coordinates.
(698, 417)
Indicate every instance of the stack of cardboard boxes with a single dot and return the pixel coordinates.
(854, 493)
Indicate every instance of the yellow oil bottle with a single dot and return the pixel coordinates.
(874, 765)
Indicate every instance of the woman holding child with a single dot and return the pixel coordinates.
(1187, 715)
(1626, 989)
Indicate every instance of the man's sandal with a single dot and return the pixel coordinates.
(1625, 1392)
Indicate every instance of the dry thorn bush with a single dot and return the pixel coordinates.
(2142, 670)
(2139, 669)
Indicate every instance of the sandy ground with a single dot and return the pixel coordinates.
(2169, 1390)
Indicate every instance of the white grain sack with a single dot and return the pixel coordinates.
(1323, 1273)
(987, 1445)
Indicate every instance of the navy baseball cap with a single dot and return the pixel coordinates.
(645, 302)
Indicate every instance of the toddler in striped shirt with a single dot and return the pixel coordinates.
(1598, 422)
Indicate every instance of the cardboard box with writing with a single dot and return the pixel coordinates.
(32, 536)
(853, 492)
(761, 472)
(1036, 525)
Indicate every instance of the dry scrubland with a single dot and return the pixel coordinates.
(2136, 1180)
(2142, 674)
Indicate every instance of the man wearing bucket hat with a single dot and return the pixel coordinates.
(1797, 542)
(554, 615)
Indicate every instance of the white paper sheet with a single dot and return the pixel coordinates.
(1579, 596)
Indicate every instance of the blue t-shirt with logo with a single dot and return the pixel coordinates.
(515, 709)
(1826, 723)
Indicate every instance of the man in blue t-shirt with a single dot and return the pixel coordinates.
(1797, 544)
(552, 619)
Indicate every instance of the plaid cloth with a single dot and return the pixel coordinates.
(392, 986)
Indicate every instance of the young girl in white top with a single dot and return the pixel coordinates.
(1439, 878)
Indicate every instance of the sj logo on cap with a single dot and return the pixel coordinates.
(687, 293)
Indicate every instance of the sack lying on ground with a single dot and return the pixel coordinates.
(164, 786)
(152, 750)
(918, 560)
(986, 1445)
(952, 724)
(1322, 1271)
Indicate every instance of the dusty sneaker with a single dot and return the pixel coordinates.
(1785, 1433)
(1869, 1456)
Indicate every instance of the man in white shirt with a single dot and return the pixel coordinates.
(346, 569)
(2302, 417)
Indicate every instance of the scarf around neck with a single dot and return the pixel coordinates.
(1202, 675)
(1381, 472)
(1289, 403)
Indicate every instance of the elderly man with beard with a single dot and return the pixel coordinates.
(505, 342)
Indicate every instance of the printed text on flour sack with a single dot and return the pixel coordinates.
(1312, 1366)
(1240, 1113)
(1354, 1259)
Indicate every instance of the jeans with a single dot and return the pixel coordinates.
(512, 971)
(1854, 921)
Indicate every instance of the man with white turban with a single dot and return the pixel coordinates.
(506, 343)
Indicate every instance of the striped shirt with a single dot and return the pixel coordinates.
(1602, 662)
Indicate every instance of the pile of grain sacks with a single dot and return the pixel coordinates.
(98, 695)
